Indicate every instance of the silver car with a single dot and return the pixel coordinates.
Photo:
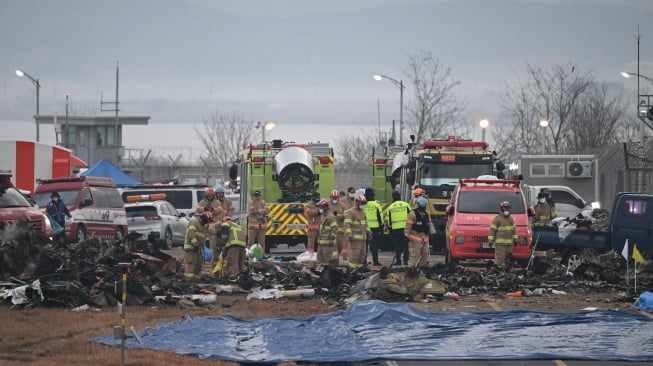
(159, 218)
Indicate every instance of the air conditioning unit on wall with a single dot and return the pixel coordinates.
(579, 169)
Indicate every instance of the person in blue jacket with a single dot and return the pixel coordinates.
(58, 211)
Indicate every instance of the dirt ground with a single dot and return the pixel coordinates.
(56, 336)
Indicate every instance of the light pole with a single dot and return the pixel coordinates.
(643, 107)
(267, 125)
(484, 125)
(627, 75)
(544, 124)
(400, 85)
(38, 86)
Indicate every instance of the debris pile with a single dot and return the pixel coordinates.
(35, 271)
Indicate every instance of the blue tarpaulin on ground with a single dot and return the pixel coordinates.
(373, 331)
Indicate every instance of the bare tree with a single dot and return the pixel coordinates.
(354, 151)
(596, 119)
(436, 110)
(223, 136)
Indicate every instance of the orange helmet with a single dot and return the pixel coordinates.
(210, 192)
(418, 191)
(335, 194)
(361, 199)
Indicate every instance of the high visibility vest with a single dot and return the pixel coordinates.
(397, 214)
(373, 214)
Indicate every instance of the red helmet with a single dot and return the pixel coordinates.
(505, 205)
(418, 191)
(361, 199)
(335, 194)
(323, 203)
(210, 192)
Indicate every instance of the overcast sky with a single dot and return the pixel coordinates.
(306, 65)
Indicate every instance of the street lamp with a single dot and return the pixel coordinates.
(484, 125)
(267, 125)
(627, 75)
(544, 124)
(38, 86)
(400, 85)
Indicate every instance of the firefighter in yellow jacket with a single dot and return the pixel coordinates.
(257, 221)
(503, 233)
(327, 250)
(357, 233)
(234, 243)
(544, 211)
(417, 231)
(194, 245)
(338, 209)
(313, 216)
(211, 205)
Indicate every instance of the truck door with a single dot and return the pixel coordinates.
(632, 219)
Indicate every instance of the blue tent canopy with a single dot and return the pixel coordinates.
(105, 168)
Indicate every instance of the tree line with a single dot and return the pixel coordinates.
(581, 113)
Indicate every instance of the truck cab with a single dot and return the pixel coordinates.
(15, 206)
(567, 202)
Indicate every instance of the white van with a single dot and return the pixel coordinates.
(568, 203)
(184, 196)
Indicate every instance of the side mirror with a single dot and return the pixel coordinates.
(182, 214)
(86, 202)
(580, 203)
(449, 210)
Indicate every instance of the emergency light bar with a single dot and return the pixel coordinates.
(146, 197)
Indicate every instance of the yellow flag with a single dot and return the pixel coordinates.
(638, 256)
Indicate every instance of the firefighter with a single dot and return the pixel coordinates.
(257, 221)
(374, 216)
(234, 244)
(395, 216)
(212, 205)
(327, 250)
(544, 211)
(338, 209)
(350, 198)
(225, 206)
(417, 193)
(417, 231)
(194, 243)
(503, 233)
(313, 216)
(357, 233)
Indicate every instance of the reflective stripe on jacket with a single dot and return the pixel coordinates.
(328, 229)
(356, 224)
(195, 234)
(236, 236)
(503, 230)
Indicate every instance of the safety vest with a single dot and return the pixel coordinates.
(397, 214)
(194, 236)
(503, 230)
(373, 214)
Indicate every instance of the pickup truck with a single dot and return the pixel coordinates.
(631, 218)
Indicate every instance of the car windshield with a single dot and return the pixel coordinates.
(140, 211)
(488, 201)
(69, 198)
(11, 197)
(449, 174)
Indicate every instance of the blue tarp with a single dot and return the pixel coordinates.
(373, 331)
(105, 168)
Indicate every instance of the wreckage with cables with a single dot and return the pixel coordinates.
(37, 272)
